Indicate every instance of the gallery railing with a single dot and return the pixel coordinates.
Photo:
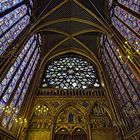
(99, 92)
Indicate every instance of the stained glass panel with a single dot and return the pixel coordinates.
(14, 67)
(19, 95)
(25, 79)
(126, 23)
(6, 4)
(128, 82)
(11, 18)
(129, 35)
(122, 81)
(18, 73)
(132, 4)
(129, 19)
(14, 22)
(13, 80)
(11, 25)
(11, 35)
(70, 73)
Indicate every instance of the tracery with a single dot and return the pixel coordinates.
(70, 73)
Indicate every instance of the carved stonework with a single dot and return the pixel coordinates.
(70, 115)
(53, 114)
(99, 117)
(41, 118)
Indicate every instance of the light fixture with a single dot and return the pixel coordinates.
(130, 54)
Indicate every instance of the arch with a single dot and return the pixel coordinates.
(63, 115)
(79, 134)
(80, 5)
(62, 134)
(104, 106)
(53, 53)
(99, 116)
(67, 105)
(39, 104)
(62, 130)
(78, 117)
(86, 54)
(70, 77)
(79, 20)
(40, 111)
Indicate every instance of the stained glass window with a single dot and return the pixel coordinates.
(13, 22)
(15, 84)
(132, 4)
(125, 85)
(70, 73)
(130, 21)
(6, 4)
(126, 23)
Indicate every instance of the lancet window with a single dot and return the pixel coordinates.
(14, 85)
(15, 16)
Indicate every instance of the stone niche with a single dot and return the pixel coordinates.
(41, 124)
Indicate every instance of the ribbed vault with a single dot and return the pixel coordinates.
(70, 23)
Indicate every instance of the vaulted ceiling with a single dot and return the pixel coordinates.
(70, 23)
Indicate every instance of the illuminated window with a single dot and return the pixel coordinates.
(126, 23)
(125, 86)
(15, 84)
(132, 4)
(70, 73)
(12, 22)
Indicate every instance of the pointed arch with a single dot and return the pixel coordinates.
(14, 85)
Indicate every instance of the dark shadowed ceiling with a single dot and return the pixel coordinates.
(70, 23)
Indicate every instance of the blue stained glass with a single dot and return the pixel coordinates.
(124, 78)
(6, 4)
(123, 96)
(11, 35)
(122, 73)
(5, 120)
(11, 25)
(19, 72)
(18, 106)
(8, 20)
(133, 4)
(14, 102)
(28, 76)
(24, 78)
(2, 104)
(129, 35)
(130, 20)
(13, 68)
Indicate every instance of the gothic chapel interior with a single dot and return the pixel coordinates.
(69, 69)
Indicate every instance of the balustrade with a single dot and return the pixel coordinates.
(71, 92)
